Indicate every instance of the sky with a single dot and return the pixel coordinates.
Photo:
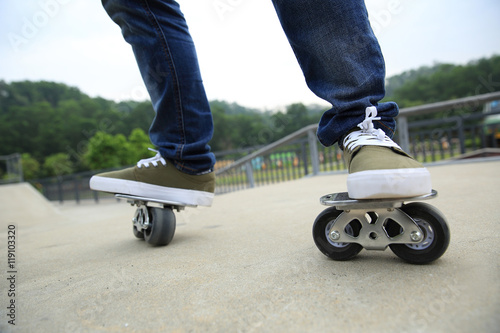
(243, 53)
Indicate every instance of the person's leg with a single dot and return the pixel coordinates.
(182, 128)
(166, 56)
(341, 61)
(343, 64)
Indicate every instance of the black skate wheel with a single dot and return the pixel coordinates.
(162, 227)
(436, 235)
(334, 250)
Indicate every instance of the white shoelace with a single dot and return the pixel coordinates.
(368, 135)
(153, 160)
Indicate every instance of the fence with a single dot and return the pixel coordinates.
(11, 169)
(299, 154)
(455, 133)
(73, 187)
(428, 141)
(289, 158)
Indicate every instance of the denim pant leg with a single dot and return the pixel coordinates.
(168, 63)
(341, 61)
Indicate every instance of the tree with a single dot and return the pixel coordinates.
(46, 118)
(31, 167)
(138, 145)
(58, 165)
(102, 152)
(445, 81)
(107, 151)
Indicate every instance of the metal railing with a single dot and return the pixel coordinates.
(74, 187)
(288, 158)
(299, 154)
(11, 169)
(466, 102)
(427, 140)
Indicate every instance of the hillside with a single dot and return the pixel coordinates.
(59, 129)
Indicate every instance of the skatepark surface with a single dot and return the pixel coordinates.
(248, 264)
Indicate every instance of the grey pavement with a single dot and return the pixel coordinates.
(248, 264)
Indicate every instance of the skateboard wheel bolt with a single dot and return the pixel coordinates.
(334, 235)
(416, 236)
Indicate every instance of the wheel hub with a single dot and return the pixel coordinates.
(426, 238)
(141, 218)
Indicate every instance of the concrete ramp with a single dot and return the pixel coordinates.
(249, 264)
(22, 203)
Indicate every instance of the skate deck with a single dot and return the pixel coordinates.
(342, 199)
(249, 264)
(133, 198)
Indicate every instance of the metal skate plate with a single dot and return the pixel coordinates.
(373, 234)
(150, 202)
(342, 201)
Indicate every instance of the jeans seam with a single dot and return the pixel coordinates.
(385, 127)
(182, 167)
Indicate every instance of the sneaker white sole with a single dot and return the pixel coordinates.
(121, 186)
(391, 183)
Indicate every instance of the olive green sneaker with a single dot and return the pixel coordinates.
(378, 167)
(158, 179)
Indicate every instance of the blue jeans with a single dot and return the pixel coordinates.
(332, 40)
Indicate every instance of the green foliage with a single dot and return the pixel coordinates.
(57, 165)
(58, 129)
(444, 82)
(397, 81)
(139, 143)
(46, 118)
(296, 117)
(106, 151)
(238, 127)
(31, 167)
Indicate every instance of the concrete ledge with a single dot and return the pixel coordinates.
(480, 153)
